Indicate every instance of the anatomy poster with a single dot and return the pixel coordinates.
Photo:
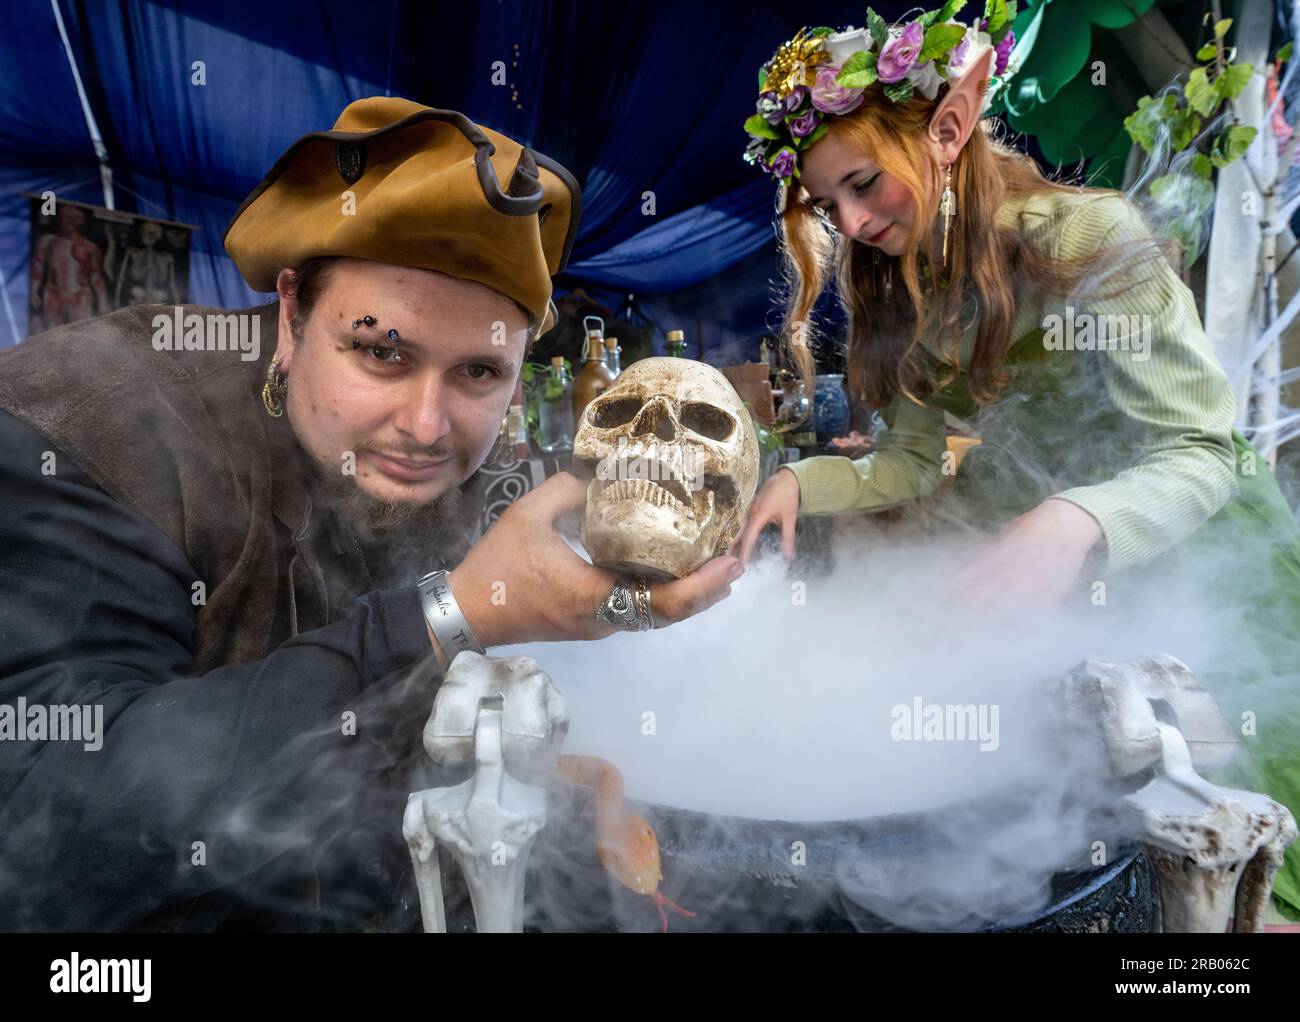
(86, 261)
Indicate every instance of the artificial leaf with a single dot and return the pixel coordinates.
(756, 124)
(939, 39)
(877, 27)
(1201, 165)
(859, 61)
(858, 73)
(996, 13)
(899, 92)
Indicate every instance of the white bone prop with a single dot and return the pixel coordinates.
(676, 463)
(1209, 844)
(505, 716)
(1117, 694)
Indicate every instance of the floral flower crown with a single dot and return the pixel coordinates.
(822, 71)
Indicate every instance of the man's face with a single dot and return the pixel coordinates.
(861, 200)
(417, 415)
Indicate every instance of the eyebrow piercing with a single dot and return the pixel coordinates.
(370, 321)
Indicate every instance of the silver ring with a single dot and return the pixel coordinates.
(622, 607)
(643, 602)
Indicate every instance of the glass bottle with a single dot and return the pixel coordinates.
(517, 423)
(676, 344)
(556, 412)
(613, 356)
(595, 377)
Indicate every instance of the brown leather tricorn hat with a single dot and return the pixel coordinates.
(429, 188)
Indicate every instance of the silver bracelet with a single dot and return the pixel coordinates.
(445, 619)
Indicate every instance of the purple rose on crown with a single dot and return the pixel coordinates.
(803, 125)
(899, 53)
(830, 98)
(795, 99)
(783, 164)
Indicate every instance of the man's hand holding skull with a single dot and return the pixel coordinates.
(522, 582)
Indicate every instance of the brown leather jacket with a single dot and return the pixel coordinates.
(182, 438)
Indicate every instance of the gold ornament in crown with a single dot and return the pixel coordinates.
(788, 69)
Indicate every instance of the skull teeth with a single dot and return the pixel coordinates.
(642, 489)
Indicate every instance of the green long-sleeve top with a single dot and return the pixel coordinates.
(1175, 404)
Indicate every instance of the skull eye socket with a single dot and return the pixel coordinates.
(618, 411)
(707, 420)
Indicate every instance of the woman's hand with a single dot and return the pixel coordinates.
(1035, 559)
(776, 503)
(854, 446)
(521, 582)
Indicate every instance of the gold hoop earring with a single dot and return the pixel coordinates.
(275, 388)
(948, 208)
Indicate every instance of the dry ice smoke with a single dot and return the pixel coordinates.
(779, 704)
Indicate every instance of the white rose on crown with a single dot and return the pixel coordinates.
(840, 46)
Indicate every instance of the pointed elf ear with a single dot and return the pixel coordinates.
(959, 111)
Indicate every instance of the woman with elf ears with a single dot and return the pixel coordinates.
(1048, 318)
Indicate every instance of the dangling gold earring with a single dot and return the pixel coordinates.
(948, 207)
(275, 387)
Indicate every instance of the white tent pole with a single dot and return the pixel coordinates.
(101, 150)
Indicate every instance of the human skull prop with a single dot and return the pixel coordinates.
(676, 463)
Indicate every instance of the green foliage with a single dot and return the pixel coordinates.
(1233, 79)
(1177, 121)
(997, 14)
(877, 27)
(859, 71)
(900, 91)
(768, 440)
(939, 39)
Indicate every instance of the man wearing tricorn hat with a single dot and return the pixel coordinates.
(257, 569)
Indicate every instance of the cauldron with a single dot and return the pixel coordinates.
(741, 875)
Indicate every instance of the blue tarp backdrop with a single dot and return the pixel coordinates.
(634, 97)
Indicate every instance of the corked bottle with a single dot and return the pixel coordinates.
(595, 377)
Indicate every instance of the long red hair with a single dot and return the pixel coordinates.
(996, 261)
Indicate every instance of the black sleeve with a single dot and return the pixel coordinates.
(254, 761)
